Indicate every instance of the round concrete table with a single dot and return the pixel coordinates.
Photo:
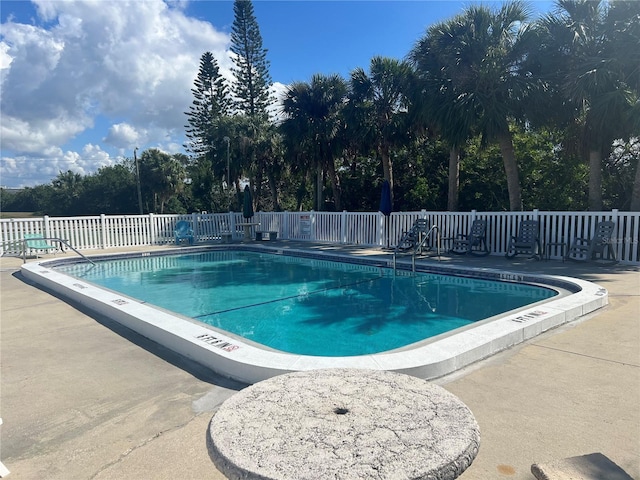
(343, 424)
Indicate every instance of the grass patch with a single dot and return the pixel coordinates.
(5, 215)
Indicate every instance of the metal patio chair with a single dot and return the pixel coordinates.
(475, 242)
(412, 238)
(34, 242)
(526, 241)
(584, 249)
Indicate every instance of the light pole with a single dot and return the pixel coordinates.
(135, 159)
(227, 140)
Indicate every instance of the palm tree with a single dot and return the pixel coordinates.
(380, 102)
(589, 56)
(622, 28)
(481, 56)
(267, 146)
(68, 187)
(163, 175)
(313, 124)
(434, 99)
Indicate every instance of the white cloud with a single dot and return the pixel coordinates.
(123, 135)
(29, 170)
(32, 135)
(133, 60)
(278, 91)
(92, 156)
(5, 58)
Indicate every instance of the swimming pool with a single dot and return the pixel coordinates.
(309, 306)
(245, 360)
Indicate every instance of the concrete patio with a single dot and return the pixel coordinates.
(83, 398)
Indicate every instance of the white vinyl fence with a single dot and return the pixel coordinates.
(346, 228)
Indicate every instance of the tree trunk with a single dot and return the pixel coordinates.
(387, 167)
(319, 185)
(511, 171)
(273, 187)
(302, 190)
(454, 179)
(335, 184)
(239, 195)
(595, 180)
(635, 193)
(258, 186)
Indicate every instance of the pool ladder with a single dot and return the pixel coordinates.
(419, 248)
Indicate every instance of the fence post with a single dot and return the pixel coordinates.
(103, 231)
(195, 224)
(616, 234)
(46, 226)
(312, 221)
(232, 224)
(284, 225)
(343, 227)
(153, 232)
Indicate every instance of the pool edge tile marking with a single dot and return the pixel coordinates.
(217, 342)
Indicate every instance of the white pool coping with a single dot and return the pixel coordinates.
(231, 357)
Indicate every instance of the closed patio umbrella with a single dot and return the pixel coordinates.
(386, 208)
(247, 210)
(385, 199)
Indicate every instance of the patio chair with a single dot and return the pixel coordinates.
(412, 238)
(34, 242)
(584, 249)
(474, 243)
(527, 240)
(183, 231)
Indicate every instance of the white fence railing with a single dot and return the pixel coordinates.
(366, 229)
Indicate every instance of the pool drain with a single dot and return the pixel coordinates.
(340, 411)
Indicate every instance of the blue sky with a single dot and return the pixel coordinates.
(85, 82)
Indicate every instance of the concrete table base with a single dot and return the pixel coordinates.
(594, 466)
(343, 424)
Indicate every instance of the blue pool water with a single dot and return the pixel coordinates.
(308, 306)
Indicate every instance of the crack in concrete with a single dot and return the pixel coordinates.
(144, 443)
(585, 355)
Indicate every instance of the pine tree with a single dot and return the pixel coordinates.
(211, 101)
(251, 72)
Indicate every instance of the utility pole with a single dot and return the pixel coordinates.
(227, 140)
(135, 159)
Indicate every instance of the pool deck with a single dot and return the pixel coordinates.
(84, 398)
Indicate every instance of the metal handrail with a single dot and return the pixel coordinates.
(419, 247)
(61, 241)
(421, 244)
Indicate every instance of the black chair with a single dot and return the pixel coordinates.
(584, 249)
(474, 243)
(412, 238)
(527, 240)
